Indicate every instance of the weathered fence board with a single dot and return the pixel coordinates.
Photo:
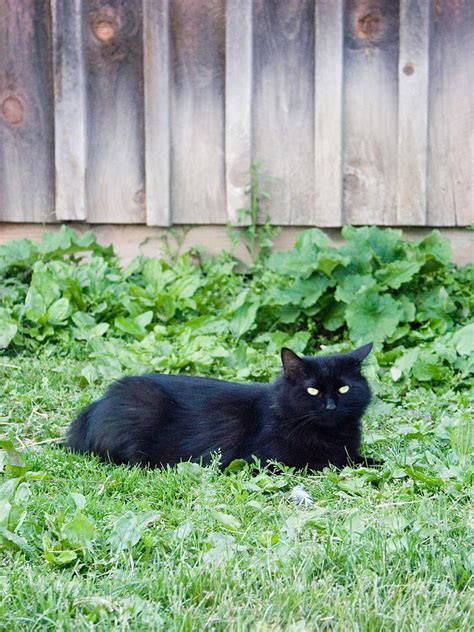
(370, 111)
(413, 67)
(451, 120)
(26, 112)
(153, 111)
(329, 49)
(238, 104)
(157, 111)
(115, 180)
(283, 104)
(197, 111)
(69, 110)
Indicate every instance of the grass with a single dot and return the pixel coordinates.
(381, 549)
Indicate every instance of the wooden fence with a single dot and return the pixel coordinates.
(151, 111)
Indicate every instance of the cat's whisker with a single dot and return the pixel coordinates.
(309, 417)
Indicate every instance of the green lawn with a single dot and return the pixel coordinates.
(189, 548)
(90, 546)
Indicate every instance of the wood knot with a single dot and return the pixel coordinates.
(371, 26)
(105, 28)
(408, 69)
(351, 181)
(12, 110)
(140, 198)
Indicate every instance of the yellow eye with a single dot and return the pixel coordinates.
(343, 389)
(312, 391)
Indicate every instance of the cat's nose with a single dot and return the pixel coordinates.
(330, 404)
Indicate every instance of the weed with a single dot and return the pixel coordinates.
(86, 545)
(256, 231)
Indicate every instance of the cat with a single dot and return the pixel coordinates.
(308, 418)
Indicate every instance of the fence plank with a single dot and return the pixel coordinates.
(413, 76)
(329, 21)
(451, 121)
(157, 111)
(197, 111)
(370, 111)
(317, 92)
(238, 104)
(115, 156)
(283, 112)
(69, 109)
(26, 113)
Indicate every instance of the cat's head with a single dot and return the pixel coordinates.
(324, 389)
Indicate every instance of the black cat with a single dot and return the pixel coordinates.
(310, 416)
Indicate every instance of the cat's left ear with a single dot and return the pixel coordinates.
(293, 365)
(362, 352)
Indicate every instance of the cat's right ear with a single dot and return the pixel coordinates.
(293, 365)
(361, 353)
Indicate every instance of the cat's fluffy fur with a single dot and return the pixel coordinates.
(164, 419)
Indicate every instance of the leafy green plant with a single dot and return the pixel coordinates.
(256, 231)
(70, 534)
(128, 529)
(14, 495)
(214, 318)
(85, 544)
(86, 548)
(173, 249)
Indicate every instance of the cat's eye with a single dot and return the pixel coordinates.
(312, 391)
(343, 389)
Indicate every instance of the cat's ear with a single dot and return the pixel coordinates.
(362, 352)
(293, 365)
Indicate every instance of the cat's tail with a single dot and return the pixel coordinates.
(78, 432)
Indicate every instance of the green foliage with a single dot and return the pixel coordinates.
(85, 544)
(212, 316)
(127, 530)
(88, 545)
(14, 493)
(70, 534)
(255, 231)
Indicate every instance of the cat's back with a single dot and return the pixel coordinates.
(193, 389)
(160, 395)
(157, 418)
